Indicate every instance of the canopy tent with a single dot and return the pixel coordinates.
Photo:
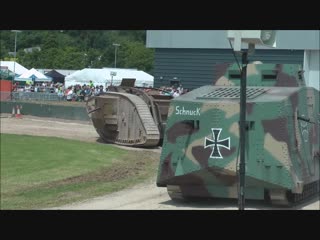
(33, 75)
(13, 67)
(56, 76)
(105, 76)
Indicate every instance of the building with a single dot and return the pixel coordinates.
(190, 56)
(31, 49)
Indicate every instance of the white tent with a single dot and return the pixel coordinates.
(13, 67)
(106, 75)
(33, 74)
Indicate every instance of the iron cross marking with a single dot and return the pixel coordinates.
(216, 143)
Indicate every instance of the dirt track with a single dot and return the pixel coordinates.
(37, 126)
(142, 196)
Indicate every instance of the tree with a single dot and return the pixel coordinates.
(138, 56)
(77, 49)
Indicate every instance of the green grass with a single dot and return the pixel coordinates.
(42, 172)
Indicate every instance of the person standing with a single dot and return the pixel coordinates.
(180, 89)
(70, 94)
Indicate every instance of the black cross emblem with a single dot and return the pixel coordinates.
(216, 143)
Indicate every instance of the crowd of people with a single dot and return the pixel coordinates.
(173, 91)
(83, 92)
(71, 93)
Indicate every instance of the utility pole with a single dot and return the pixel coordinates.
(112, 74)
(116, 45)
(15, 52)
(243, 129)
(252, 37)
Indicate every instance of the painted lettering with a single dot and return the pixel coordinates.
(190, 112)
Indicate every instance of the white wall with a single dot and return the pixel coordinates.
(311, 68)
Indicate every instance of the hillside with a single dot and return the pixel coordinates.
(77, 49)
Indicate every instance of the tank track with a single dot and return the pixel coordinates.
(278, 198)
(152, 136)
(175, 193)
(289, 199)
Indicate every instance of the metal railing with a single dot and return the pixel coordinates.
(36, 96)
(32, 96)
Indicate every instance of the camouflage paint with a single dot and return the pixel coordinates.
(282, 150)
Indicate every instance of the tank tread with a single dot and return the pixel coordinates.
(152, 132)
(310, 190)
(175, 193)
(289, 199)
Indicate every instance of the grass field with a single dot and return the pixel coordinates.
(42, 172)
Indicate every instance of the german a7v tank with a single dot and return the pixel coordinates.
(200, 149)
(130, 116)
